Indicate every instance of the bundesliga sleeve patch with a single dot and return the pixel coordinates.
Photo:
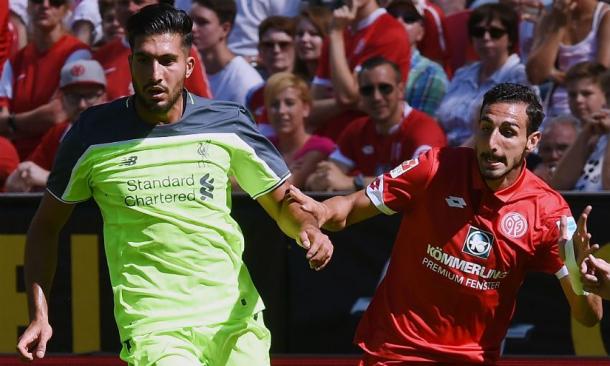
(404, 167)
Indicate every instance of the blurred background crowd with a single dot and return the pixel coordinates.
(346, 90)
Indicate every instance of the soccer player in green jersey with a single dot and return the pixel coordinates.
(158, 164)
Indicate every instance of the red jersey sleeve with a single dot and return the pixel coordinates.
(197, 83)
(546, 258)
(393, 191)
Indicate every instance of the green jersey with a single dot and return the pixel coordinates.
(174, 252)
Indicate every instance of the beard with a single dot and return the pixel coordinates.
(159, 106)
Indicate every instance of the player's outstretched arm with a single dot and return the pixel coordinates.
(40, 263)
(597, 282)
(337, 212)
(586, 308)
(299, 225)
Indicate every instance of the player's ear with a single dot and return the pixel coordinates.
(190, 65)
(532, 141)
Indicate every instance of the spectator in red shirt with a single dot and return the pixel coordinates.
(82, 85)
(358, 31)
(28, 85)
(391, 132)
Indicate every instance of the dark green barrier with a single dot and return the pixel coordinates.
(307, 311)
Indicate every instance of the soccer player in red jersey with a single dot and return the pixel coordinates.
(475, 221)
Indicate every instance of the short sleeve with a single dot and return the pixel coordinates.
(69, 179)
(255, 162)
(393, 191)
(546, 258)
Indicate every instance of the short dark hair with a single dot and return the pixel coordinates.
(225, 9)
(160, 19)
(502, 12)
(586, 70)
(281, 23)
(376, 61)
(517, 93)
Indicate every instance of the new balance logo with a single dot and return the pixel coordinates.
(206, 187)
(129, 161)
(453, 201)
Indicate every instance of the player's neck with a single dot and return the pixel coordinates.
(505, 181)
(365, 11)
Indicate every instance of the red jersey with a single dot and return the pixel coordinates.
(114, 58)
(35, 80)
(255, 102)
(366, 151)
(378, 35)
(45, 152)
(9, 160)
(460, 256)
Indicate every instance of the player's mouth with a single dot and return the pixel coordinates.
(156, 91)
(491, 161)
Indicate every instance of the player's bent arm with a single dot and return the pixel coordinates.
(343, 211)
(298, 224)
(287, 213)
(587, 309)
(41, 251)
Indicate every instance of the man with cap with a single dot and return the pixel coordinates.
(427, 80)
(82, 85)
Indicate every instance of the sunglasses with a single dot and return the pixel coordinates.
(494, 32)
(270, 45)
(53, 3)
(407, 17)
(369, 90)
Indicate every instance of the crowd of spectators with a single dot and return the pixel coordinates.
(345, 90)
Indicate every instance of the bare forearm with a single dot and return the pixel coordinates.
(40, 265)
(345, 86)
(347, 210)
(39, 120)
(588, 310)
(541, 59)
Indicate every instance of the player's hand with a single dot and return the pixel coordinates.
(580, 239)
(33, 342)
(318, 209)
(318, 245)
(599, 282)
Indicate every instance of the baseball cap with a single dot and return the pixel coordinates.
(82, 72)
(405, 9)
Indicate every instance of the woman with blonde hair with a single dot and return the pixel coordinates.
(288, 104)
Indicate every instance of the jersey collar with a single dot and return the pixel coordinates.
(503, 195)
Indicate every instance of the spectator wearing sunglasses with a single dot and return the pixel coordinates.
(82, 85)
(427, 80)
(230, 76)
(29, 101)
(571, 32)
(359, 30)
(391, 133)
(276, 52)
(493, 31)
